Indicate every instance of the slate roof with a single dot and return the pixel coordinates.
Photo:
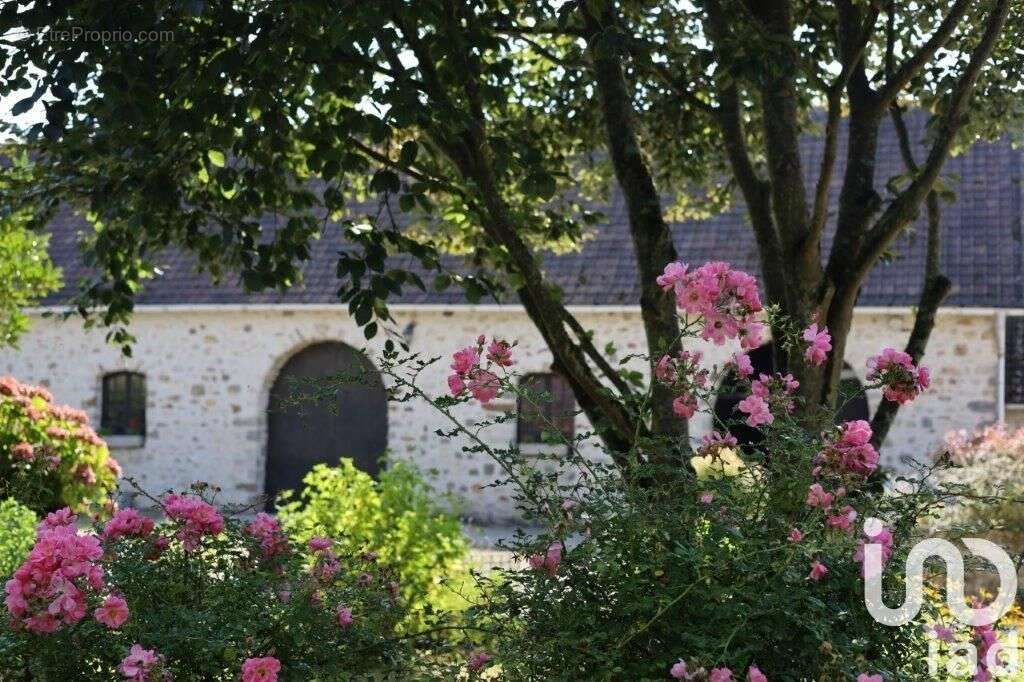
(982, 250)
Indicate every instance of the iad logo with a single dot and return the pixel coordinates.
(962, 656)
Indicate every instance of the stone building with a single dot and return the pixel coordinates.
(201, 396)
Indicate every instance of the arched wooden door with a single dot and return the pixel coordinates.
(306, 426)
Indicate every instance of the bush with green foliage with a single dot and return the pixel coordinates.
(17, 533)
(713, 561)
(49, 455)
(203, 595)
(397, 517)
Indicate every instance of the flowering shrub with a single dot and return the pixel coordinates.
(200, 595)
(49, 455)
(989, 464)
(745, 565)
(396, 518)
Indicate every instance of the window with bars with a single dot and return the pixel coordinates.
(550, 404)
(124, 404)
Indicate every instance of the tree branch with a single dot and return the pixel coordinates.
(913, 65)
(934, 288)
(729, 116)
(902, 210)
(652, 239)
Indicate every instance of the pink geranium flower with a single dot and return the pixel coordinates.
(679, 671)
(267, 530)
(343, 615)
(865, 677)
(261, 669)
(754, 674)
(795, 535)
(818, 571)
(500, 353)
(819, 343)
(483, 385)
(23, 451)
(113, 612)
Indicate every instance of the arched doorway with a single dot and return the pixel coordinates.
(310, 423)
(852, 403)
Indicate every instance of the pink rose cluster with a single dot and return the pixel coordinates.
(48, 589)
(902, 379)
(725, 299)
(850, 454)
(684, 375)
(266, 529)
(768, 393)
(819, 343)
(198, 518)
(127, 523)
(469, 374)
(681, 671)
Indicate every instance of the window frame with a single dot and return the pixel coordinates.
(119, 435)
(561, 408)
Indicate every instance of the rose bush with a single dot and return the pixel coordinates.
(741, 563)
(199, 595)
(49, 455)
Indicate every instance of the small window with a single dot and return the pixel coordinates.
(536, 415)
(1014, 366)
(124, 404)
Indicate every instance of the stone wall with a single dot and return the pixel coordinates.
(209, 373)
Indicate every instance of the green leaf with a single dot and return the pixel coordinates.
(539, 184)
(407, 156)
(216, 157)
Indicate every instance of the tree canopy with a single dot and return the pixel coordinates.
(488, 123)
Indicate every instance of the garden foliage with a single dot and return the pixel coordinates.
(17, 533)
(397, 517)
(198, 596)
(745, 562)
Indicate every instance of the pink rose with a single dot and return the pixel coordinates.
(261, 669)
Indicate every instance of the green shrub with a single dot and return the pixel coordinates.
(17, 533)
(397, 517)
